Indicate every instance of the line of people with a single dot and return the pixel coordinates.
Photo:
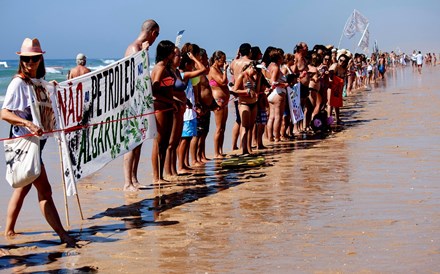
(192, 85)
(183, 79)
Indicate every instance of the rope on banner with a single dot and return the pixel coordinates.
(75, 128)
(79, 127)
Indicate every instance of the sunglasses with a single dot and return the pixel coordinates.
(27, 59)
(341, 60)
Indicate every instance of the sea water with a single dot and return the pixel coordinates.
(56, 69)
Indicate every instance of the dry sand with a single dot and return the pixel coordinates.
(365, 199)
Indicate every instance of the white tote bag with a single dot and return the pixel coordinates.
(23, 164)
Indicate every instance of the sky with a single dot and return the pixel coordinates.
(104, 28)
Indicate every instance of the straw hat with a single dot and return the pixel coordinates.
(30, 47)
(343, 52)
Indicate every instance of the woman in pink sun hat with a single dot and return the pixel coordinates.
(16, 111)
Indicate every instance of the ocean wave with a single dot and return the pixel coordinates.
(54, 70)
(93, 68)
(109, 61)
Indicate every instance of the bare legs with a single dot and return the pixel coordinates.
(220, 121)
(236, 127)
(248, 113)
(275, 117)
(164, 121)
(182, 153)
(14, 207)
(131, 163)
(47, 207)
(176, 133)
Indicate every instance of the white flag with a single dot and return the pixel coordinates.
(365, 41)
(355, 23)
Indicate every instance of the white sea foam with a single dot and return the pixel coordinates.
(108, 62)
(93, 68)
(54, 70)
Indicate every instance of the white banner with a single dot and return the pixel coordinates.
(105, 113)
(294, 97)
(355, 23)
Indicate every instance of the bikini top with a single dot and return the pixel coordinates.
(195, 80)
(213, 83)
(180, 85)
(167, 82)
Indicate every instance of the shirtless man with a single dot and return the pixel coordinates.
(243, 58)
(80, 69)
(148, 34)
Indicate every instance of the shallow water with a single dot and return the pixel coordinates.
(365, 199)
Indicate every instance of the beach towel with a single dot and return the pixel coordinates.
(337, 86)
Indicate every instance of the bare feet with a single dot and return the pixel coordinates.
(10, 233)
(130, 187)
(219, 156)
(205, 160)
(139, 186)
(68, 240)
(160, 182)
(171, 178)
(184, 171)
(197, 164)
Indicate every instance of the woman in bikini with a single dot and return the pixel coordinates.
(190, 68)
(277, 95)
(218, 80)
(179, 97)
(162, 79)
(246, 88)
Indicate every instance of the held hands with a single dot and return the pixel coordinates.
(34, 129)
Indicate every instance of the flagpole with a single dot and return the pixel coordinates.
(342, 34)
(62, 138)
(362, 37)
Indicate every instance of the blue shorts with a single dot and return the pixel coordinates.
(189, 128)
(261, 117)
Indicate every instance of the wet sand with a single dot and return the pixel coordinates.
(364, 199)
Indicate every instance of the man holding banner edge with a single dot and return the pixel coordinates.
(147, 36)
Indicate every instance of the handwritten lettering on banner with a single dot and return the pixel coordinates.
(294, 97)
(111, 104)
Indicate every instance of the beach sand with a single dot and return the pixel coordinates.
(365, 199)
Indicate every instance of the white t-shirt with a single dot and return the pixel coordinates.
(419, 58)
(17, 100)
(190, 113)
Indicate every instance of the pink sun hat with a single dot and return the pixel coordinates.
(30, 47)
